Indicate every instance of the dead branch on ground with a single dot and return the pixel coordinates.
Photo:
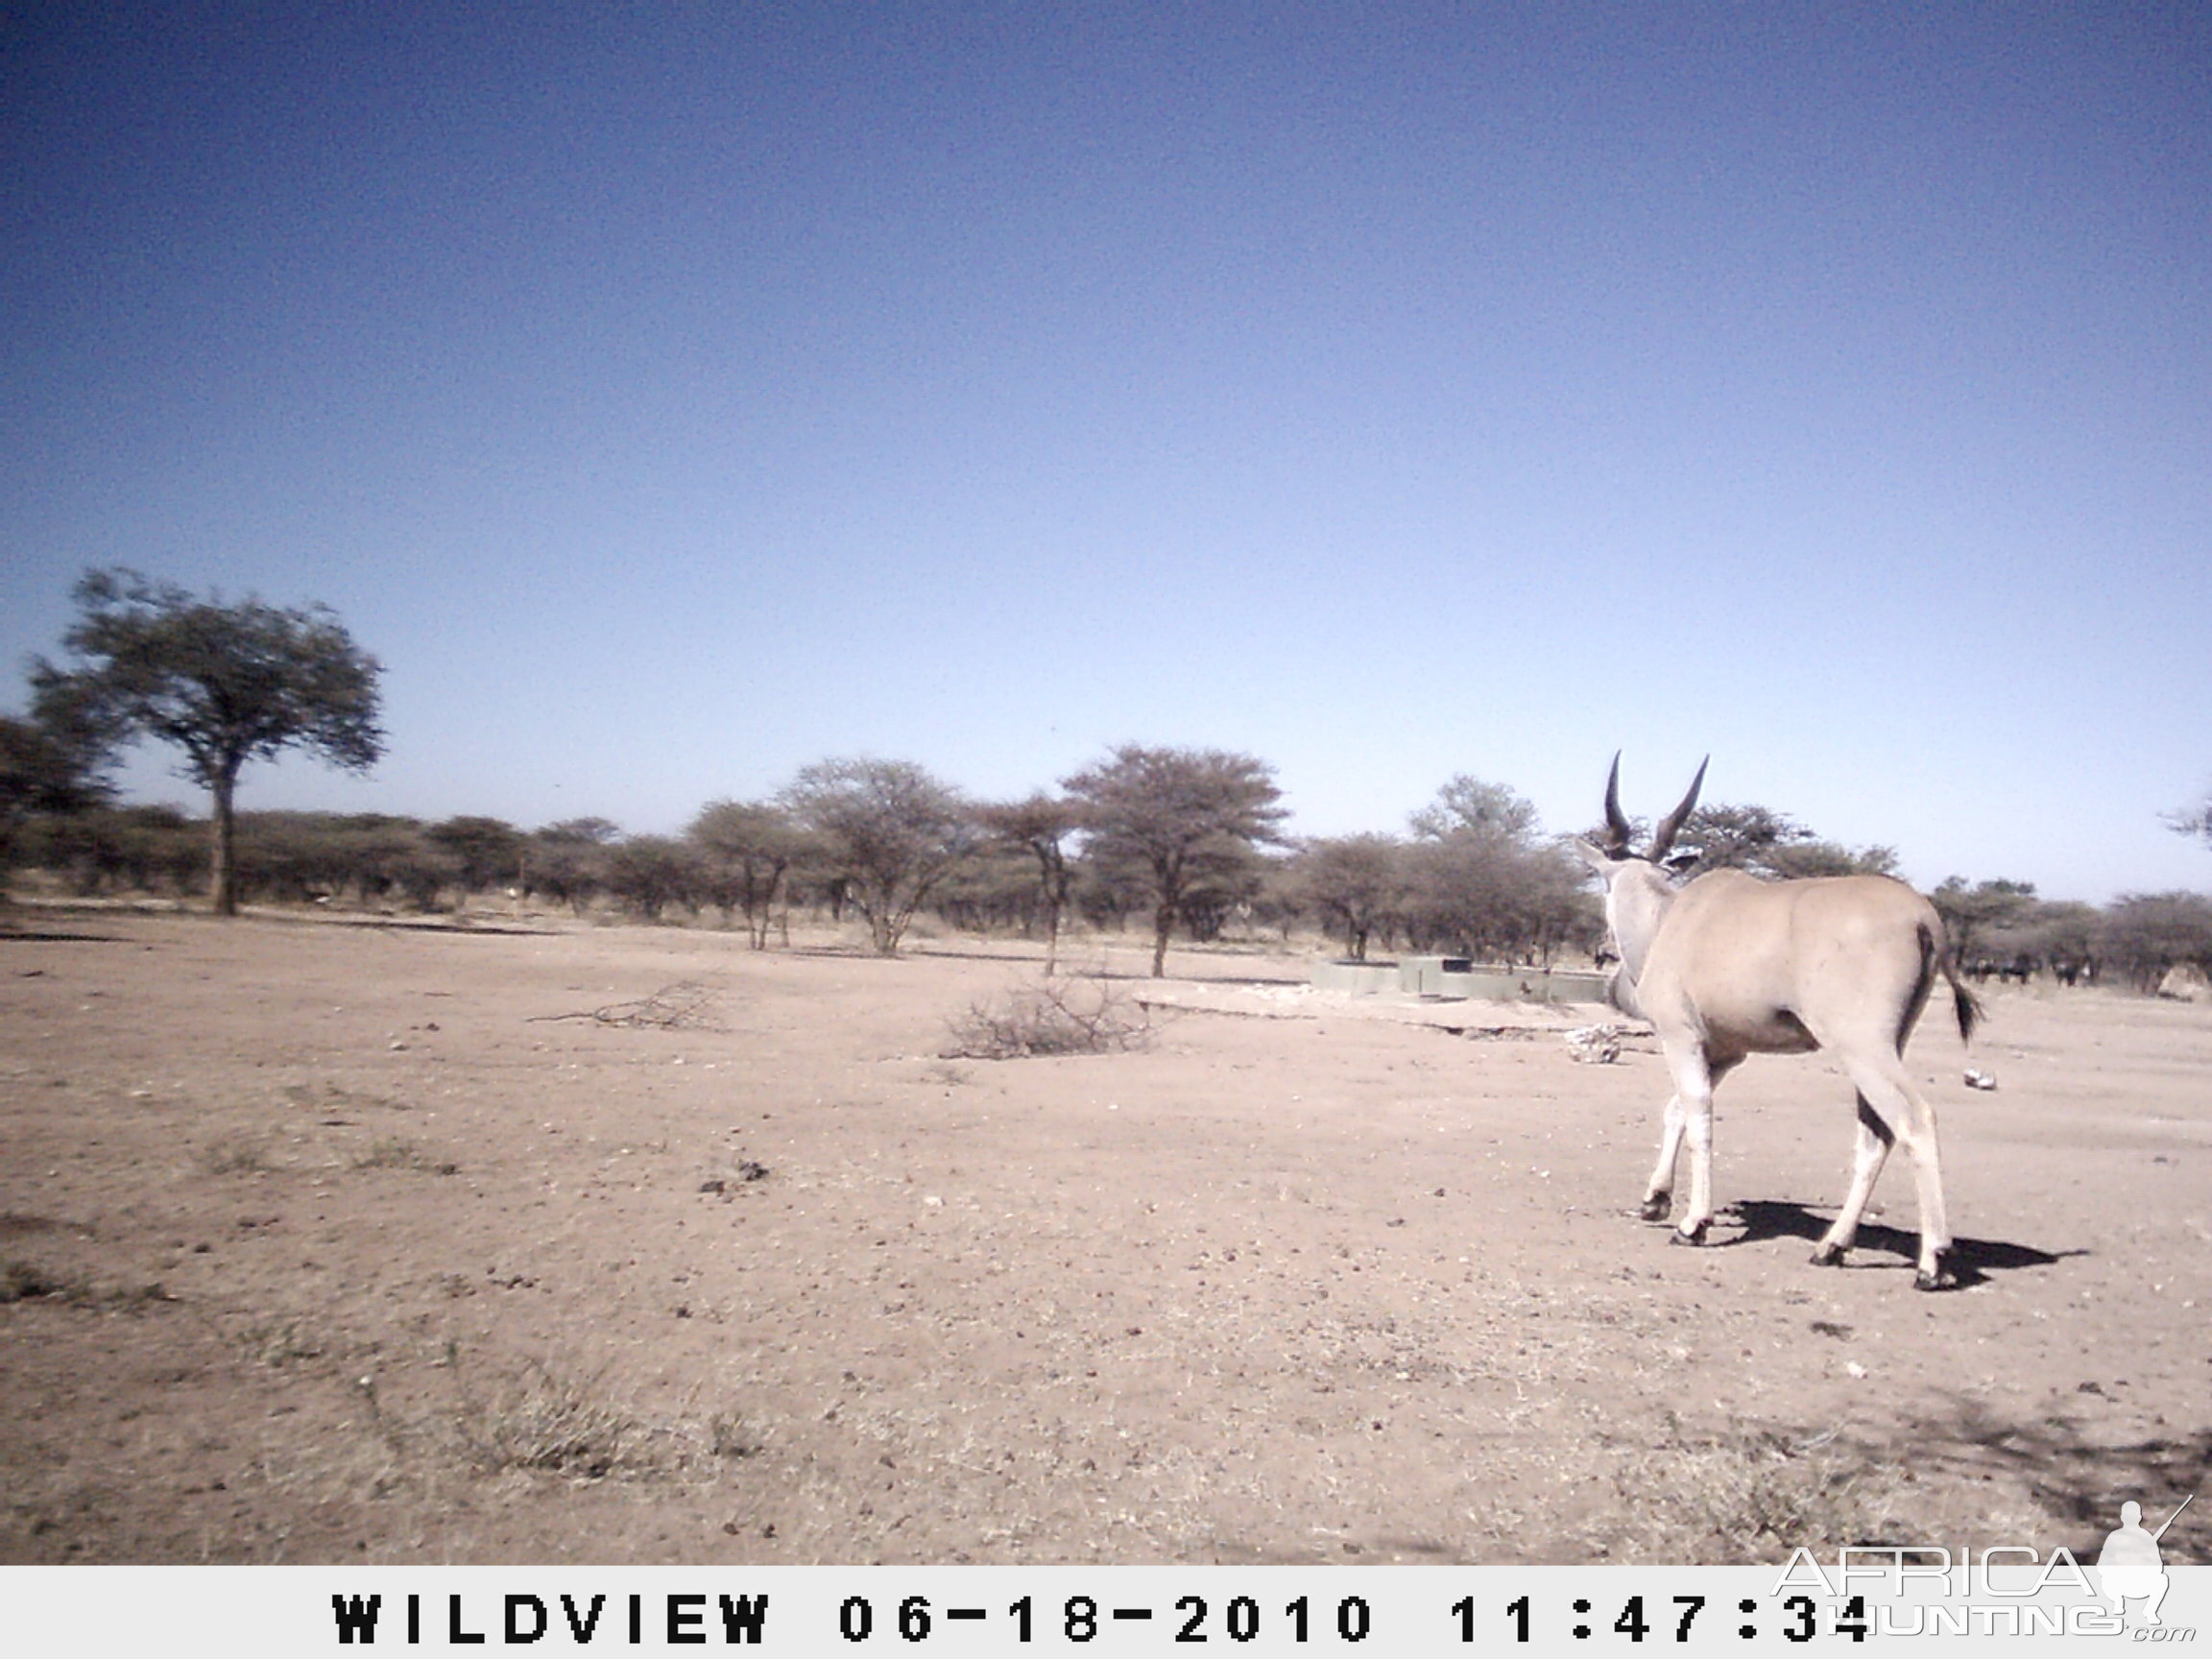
(681, 1006)
(1058, 1017)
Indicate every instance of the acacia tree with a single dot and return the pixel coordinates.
(568, 861)
(649, 872)
(1772, 844)
(749, 847)
(225, 683)
(41, 770)
(487, 850)
(1481, 878)
(1040, 825)
(1829, 858)
(1971, 915)
(892, 830)
(2194, 821)
(1357, 882)
(1741, 837)
(1175, 819)
(1468, 806)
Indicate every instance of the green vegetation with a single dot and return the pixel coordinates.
(1463, 882)
(1187, 840)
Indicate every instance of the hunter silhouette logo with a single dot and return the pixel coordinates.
(2129, 1566)
(2004, 1589)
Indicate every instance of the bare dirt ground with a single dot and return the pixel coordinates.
(325, 1242)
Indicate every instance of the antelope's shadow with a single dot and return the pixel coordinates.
(1971, 1260)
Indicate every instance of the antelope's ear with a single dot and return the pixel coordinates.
(1677, 863)
(1593, 856)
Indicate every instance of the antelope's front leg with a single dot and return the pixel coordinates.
(1659, 1192)
(1693, 1102)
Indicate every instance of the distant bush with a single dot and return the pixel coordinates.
(485, 851)
(2147, 934)
(567, 862)
(649, 872)
(121, 850)
(311, 857)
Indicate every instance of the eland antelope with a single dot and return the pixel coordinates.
(1726, 964)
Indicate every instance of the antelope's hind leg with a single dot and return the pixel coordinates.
(1935, 1225)
(1898, 1108)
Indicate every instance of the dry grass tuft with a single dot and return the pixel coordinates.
(543, 1420)
(398, 1152)
(233, 1154)
(24, 1280)
(282, 1340)
(1057, 1017)
(727, 1436)
(332, 1096)
(1749, 1497)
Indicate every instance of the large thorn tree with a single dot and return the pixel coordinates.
(1173, 819)
(750, 847)
(892, 829)
(224, 683)
(1040, 826)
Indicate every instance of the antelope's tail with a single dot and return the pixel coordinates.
(1963, 1001)
(1967, 1005)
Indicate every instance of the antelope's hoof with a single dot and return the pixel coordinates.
(1658, 1207)
(1942, 1278)
(1830, 1254)
(1692, 1238)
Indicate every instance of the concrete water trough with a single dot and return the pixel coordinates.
(1459, 979)
(1356, 978)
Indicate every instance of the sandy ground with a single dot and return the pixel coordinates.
(335, 1243)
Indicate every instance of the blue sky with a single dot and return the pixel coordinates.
(674, 395)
